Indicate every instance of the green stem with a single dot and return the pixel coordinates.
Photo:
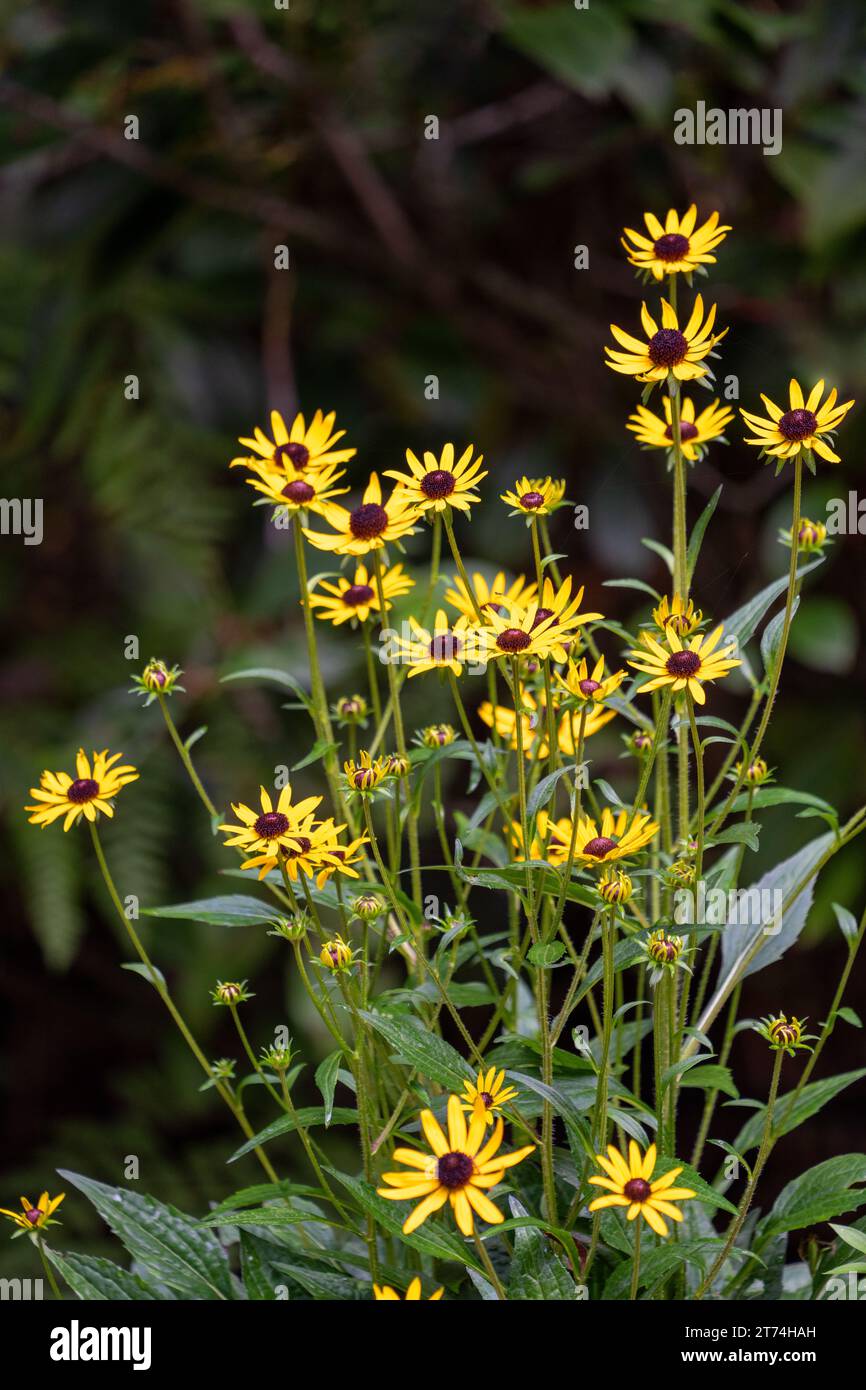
(635, 1273)
(49, 1272)
(185, 758)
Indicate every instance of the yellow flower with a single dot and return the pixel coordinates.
(695, 431)
(668, 348)
(677, 247)
(614, 887)
(811, 536)
(35, 1218)
(435, 484)
(353, 600)
(367, 527)
(271, 829)
(489, 1092)
(87, 794)
(314, 850)
(297, 489)
(786, 433)
(535, 496)
(366, 774)
(496, 597)
(336, 955)
(384, 1293)
(457, 1171)
(444, 648)
(534, 725)
(673, 613)
(590, 690)
(436, 736)
(631, 1186)
(540, 630)
(619, 837)
(684, 668)
(303, 447)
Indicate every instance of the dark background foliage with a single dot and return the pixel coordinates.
(409, 257)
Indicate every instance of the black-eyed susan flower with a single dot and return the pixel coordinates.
(811, 536)
(156, 679)
(436, 736)
(631, 1184)
(441, 482)
(294, 490)
(801, 427)
(444, 647)
(300, 445)
(619, 836)
(88, 794)
(230, 993)
(369, 526)
(311, 848)
(34, 1216)
(459, 1170)
(534, 725)
(352, 600)
(489, 1091)
(614, 887)
(383, 1293)
(665, 953)
(336, 955)
(684, 668)
(535, 496)
(351, 710)
(366, 773)
(541, 629)
(590, 688)
(273, 827)
(677, 248)
(668, 349)
(786, 1034)
(677, 614)
(497, 596)
(696, 430)
(753, 773)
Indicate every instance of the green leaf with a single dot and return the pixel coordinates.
(788, 1116)
(432, 1056)
(429, 1239)
(584, 49)
(173, 1247)
(307, 1116)
(743, 622)
(257, 1271)
(231, 910)
(741, 833)
(326, 1080)
(543, 791)
(771, 638)
(257, 1218)
(270, 673)
(712, 1078)
(545, 956)
(537, 1271)
(697, 536)
(847, 923)
(146, 972)
(757, 906)
(689, 1177)
(851, 1236)
(93, 1279)
(817, 1195)
(779, 796)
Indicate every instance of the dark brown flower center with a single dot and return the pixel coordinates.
(797, 424)
(487, 1099)
(445, 646)
(513, 639)
(454, 1170)
(599, 847)
(300, 846)
(637, 1190)
(439, 483)
(298, 454)
(494, 605)
(83, 789)
(667, 347)
(271, 824)
(541, 617)
(687, 431)
(33, 1215)
(665, 950)
(588, 687)
(532, 500)
(368, 521)
(784, 1033)
(298, 491)
(684, 663)
(356, 594)
(671, 247)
